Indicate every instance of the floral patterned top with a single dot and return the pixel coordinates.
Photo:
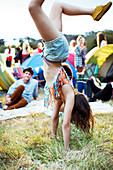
(54, 92)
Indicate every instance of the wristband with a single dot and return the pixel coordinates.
(68, 150)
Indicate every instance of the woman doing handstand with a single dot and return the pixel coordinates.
(56, 51)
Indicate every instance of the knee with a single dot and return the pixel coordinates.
(88, 82)
(34, 5)
(20, 88)
(109, 85)
(31, 6)
(66, 125)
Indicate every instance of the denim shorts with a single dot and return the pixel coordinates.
(56, 50)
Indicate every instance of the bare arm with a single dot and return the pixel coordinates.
(55, 117)
(68, 94)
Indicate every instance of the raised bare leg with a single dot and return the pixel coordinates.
(50, 30)
(60, 8)
(44, 25)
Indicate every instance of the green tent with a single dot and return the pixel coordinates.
(100, 56)
(103, 57)
(2, 58)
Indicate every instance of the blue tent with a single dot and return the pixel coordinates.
(37, 62)
(74, 71)
(34, 61)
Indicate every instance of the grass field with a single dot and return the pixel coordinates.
(26, 144)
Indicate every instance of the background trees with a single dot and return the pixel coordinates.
(90, 37)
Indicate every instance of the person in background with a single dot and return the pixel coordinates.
(71, 57)
(93, 85)
(40, 47)
(21, 92)
(80, 51)
(84, 53)
(95, 90)
(101, 40)
(9, 54)
(72, 47)
(24, 53)
(16, 58)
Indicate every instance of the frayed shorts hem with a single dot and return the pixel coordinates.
(56, 50)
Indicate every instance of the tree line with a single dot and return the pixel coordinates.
(90, 40)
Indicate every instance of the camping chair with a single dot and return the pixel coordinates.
(96, 71)
(18, 72)
(91, 70)
(40, 78)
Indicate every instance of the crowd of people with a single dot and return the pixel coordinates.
(59, 91)
(16, 56)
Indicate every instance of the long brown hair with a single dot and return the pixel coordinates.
(101, 37)
(82, 114)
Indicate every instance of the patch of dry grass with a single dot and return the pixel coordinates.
(26, 144)
(17, 135)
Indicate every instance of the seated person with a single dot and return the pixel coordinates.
(21, 92)
(93, 86)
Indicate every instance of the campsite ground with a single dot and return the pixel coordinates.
(25, 143)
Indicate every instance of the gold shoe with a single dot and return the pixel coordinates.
(100, 11)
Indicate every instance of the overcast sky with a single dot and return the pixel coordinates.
(16, 22)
